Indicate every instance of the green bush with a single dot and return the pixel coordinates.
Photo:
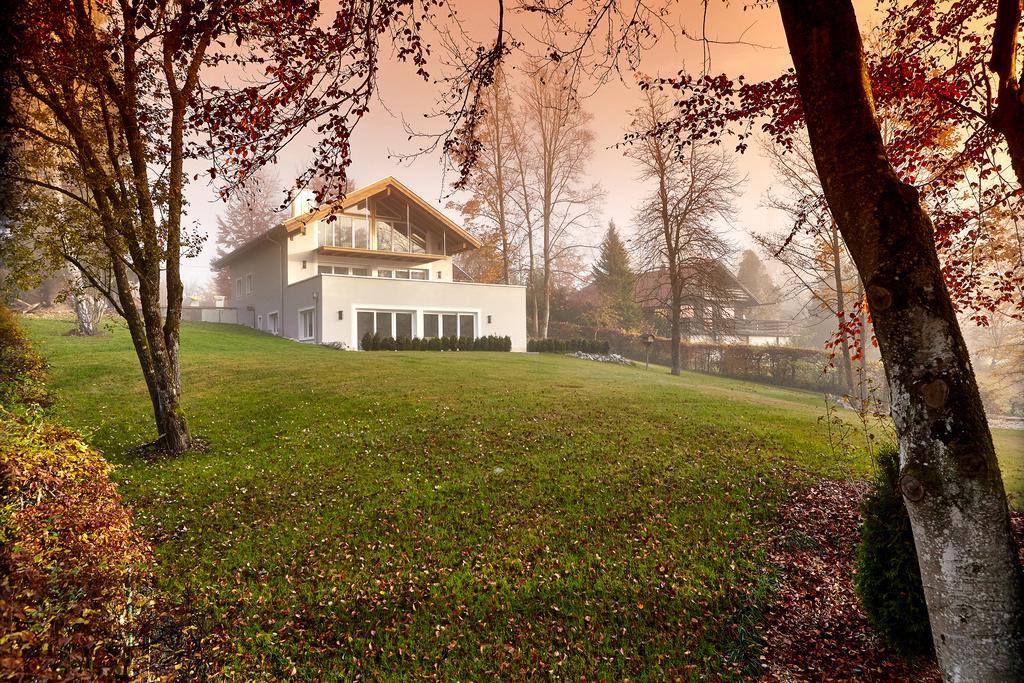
(22, 370)
(888, 578)
(489, 343)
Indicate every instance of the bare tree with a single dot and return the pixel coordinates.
(551, 163)
(491, 211)
(675, 223)
(813, 251)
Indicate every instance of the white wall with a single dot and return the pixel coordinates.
(506, 305)
(265, 262)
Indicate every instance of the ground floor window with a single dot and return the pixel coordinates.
(307, 324)
(449, 325)
(396, 324)
(272, 326)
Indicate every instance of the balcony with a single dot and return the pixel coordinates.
(738, 327)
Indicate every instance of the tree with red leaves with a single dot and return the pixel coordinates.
(949, 475)
(121, 91)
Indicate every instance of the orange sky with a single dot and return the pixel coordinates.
(381, 134)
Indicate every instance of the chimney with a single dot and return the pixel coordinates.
(302, 203)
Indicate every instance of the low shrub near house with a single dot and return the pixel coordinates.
(489, 343)
(888, 578)
(568, 346)
(22, 370)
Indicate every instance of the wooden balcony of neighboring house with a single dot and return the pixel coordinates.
(736, 327)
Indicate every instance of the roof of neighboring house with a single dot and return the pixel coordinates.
(266, 236)
(713, 281)
(353, 198)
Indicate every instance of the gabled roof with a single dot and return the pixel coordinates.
(651, 289)
(364, 193)
(291, 225)
(713, 281)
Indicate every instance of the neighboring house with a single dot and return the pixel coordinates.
(379, 261)
(716, 307)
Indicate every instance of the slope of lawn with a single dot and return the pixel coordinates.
(461, 515)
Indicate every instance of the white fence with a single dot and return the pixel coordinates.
(209, 314)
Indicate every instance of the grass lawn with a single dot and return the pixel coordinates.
(462, 515)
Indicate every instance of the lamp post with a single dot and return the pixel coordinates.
(648, 340)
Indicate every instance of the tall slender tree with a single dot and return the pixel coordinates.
(492, 210)
(559, 144)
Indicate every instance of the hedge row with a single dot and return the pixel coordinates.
(73, 567)
(568, 345)
(782, 365)
(489, 343)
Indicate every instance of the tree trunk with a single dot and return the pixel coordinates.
(1008, 117)
(837, 272)
(950, 478)
(676, 322)
(862, 364)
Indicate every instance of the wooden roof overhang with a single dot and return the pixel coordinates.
(387, 185)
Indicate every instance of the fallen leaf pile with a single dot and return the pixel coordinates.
(815, 629)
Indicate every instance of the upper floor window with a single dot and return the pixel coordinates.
(238, 288)
(345, 230)
(248, 283)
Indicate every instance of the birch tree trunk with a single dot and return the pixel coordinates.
(837, 272)
(950, 478)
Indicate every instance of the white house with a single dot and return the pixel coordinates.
(379, 261)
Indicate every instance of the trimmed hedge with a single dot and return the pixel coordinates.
(888, 578)
(489, 343)
(780, 365)
(568, 346)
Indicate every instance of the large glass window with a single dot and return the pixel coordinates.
(449, 325)
(384, 328)
(419, 274)
(430, 322)
(403, 325)
(466, 325)
(418, 241)
(307, 324)
(344, 230)
(364, 324)
(394, 324)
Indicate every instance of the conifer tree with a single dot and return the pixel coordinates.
(614, 278)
